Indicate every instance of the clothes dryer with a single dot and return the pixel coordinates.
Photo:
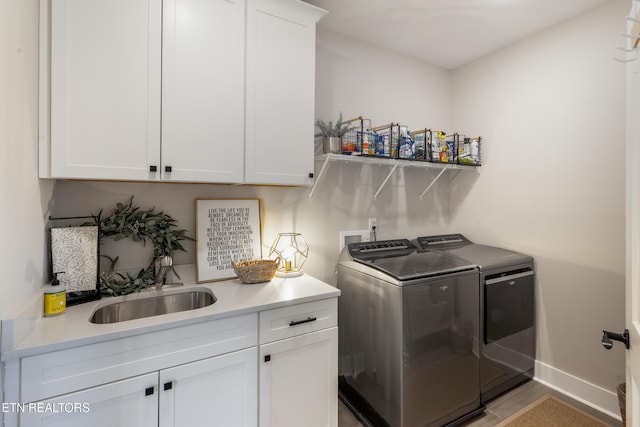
(507, 300)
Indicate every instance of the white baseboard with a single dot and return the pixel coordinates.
(595, 396)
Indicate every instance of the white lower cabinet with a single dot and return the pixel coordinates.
(130, 402)
(274, 368)
(299, 365)
(221, 388)
(191, 395)
(299, 381)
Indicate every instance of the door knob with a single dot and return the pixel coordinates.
(608, 336)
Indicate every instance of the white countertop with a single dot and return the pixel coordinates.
(73, 328)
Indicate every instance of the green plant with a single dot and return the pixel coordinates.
(330, 130)
(129, 221)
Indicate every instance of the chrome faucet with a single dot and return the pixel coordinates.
(163, 265)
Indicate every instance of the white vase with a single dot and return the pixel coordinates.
(332, 144)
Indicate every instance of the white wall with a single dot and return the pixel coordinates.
(552, 111)
(23, 198)
(362, 80)
(353, 78)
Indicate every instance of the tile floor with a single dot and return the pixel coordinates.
(501, 407)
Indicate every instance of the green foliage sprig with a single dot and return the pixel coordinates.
(129, 221)
(329, 129)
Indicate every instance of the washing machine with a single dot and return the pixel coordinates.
(409, 335)
(507, 300)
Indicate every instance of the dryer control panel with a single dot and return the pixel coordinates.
(443, 241)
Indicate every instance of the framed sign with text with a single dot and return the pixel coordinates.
(227, 230)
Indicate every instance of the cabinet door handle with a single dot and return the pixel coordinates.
(149, 391)
(311, 175)
(267, 358)
(153, 168)
(167, 168)
(300, 322)
(168, 386)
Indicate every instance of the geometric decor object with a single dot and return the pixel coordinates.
(293, 251)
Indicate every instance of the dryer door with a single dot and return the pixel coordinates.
(508, 304)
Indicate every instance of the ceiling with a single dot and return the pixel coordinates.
(447, 33)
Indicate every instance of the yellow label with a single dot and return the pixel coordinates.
(55, 303)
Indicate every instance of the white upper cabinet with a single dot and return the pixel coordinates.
(104, 89)
(280, 91)
(178, 90)
(203, 90)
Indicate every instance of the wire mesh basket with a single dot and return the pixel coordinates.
(469, 151)
(352, 141)
(439, 152)
(421, 144)
(406, 145)
(368, 140)
(455, 148)
(386, 140)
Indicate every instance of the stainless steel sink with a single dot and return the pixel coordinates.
(155, 305)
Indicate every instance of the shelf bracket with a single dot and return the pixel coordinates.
(317, 180)
(375, 196)
(432, 182)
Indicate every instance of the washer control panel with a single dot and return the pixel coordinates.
(380, 248)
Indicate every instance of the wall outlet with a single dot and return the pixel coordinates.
(355, 236)
(373, 229)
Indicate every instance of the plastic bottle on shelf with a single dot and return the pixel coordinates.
(407, 148)
(436, 149)
(475, 150)
(451, 151)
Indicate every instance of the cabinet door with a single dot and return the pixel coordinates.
(219, 391)
(130, 402)
(280, 92)
(299, 381)
(203, 90)
(105, 88)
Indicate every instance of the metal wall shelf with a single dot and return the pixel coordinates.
(393, 164)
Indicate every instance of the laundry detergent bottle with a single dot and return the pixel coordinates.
(55, 297)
